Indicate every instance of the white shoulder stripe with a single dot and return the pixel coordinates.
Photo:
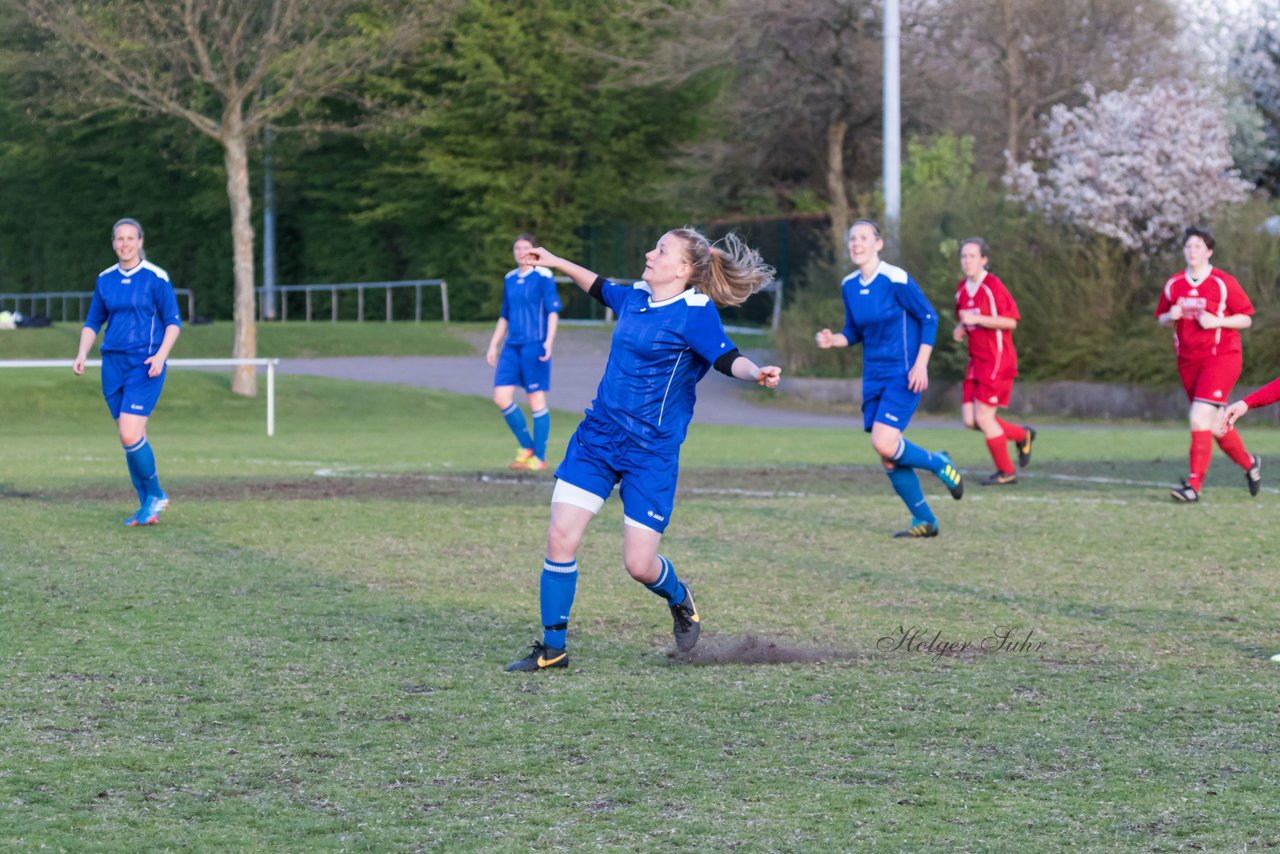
(112, 268)
(157, 270)
(897, 275)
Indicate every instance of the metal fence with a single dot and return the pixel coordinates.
(64, 299)
(331, 292)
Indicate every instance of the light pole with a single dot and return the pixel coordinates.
(892, 178)
(268, 231)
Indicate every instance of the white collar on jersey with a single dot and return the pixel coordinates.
(874, 276)
(1193, 281)
(689, 295)
(971, 285)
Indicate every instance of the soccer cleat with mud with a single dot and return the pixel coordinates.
(1024, 447)
(919, 528)
(999, 479)
(950, 476)
(1185, 493)
(686, 624)
(1253, 476)
(541, 657)
(521, 462)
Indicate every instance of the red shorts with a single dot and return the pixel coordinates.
(988, 391)
(1210, 379)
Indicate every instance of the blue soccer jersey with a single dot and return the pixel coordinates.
(890, 316)
(136, 306)
(527, 300)
(659, 352)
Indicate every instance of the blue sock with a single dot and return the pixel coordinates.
(515, 420)
(137, 484)
(142, 468)
(541, 430)
(555, 593)
(911, 454)
(907, 485)
(668, 586)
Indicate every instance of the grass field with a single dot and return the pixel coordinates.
(307, 654)
(275, 340)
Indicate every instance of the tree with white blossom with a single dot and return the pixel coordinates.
(1135, 165)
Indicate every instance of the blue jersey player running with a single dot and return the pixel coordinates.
(135, 299)
(528, 321)
(886, 311)
(668, 335)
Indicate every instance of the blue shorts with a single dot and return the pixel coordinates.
(522, 365)
(889, 401)
(600, 455)
(127, 387)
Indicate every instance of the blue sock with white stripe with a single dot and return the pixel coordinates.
(541, 431)
(142, 468)
(668, 586)
(519, 427)
(907, 485)
(555, 593)
(911, 454)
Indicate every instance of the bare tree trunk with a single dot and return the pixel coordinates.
(837, 189)
(234, 145)
(1013, 81)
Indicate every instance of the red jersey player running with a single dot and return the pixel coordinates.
(987, 316)
(1207, 309)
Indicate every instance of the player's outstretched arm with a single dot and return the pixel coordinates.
(582, 277)
(1230, 415)
(747, 371)
(827, 339)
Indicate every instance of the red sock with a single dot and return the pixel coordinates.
(999, 449)
(1012, 432)
(1233, 446)
(1201, 452)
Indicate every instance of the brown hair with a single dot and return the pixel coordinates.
(524, 235)
(728, 270)
(983, 249)
(1192, 231)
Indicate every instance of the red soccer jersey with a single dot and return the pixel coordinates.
(991, 353)
(1218, 294)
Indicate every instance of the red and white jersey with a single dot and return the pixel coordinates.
(1219, 294)
(991, 353)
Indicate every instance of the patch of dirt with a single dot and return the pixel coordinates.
(402, 487)
(486, 486)
(715, 649)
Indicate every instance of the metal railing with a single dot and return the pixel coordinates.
(15, 301)
(308, 292)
